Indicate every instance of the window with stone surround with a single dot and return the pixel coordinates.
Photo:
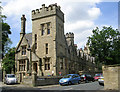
(61, 63)
(42, 29)
(22, 64)
(35, 41)
(47, 63)
(23, 50)
(48, 28)
(46, 46)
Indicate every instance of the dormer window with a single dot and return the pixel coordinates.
(23, 50)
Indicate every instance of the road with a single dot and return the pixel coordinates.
(82, 86)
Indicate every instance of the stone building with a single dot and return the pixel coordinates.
(46, 50)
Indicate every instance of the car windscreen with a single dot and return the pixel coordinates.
(82, 75)
(101, 75)
(97, 74)
(11, 76)
(67, 76)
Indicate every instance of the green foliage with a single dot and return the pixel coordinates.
(6, 42)
(5, 38)
(105, 45)
(8, 62)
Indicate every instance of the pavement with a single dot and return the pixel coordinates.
(26, 86)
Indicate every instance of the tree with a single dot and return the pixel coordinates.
(4, 35)
(9, 60)
(105, 45)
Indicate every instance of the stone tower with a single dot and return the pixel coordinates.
(70, 38)
(47, 32)
(23, 20)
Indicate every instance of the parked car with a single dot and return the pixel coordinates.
(101, 80)
(86, 78)
(70, 79)
(10, 79)
(97, 76)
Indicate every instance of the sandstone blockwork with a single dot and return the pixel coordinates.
(111, 75)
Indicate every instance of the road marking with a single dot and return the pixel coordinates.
(68, 89)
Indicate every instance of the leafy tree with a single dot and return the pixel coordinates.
(9, 60)
(5, 35)
(105, 45)
(6, 53)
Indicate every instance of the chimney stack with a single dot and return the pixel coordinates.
(23, 20)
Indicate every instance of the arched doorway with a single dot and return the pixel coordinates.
(35, 67)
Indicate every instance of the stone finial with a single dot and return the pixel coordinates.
(23, 17)
(55, 3)
(59, 7)
(33, 12)
(43, 5)
(37, 10)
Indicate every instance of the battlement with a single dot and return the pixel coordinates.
(51, 10)
(69, 35)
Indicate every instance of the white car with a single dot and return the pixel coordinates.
(10, 79)
(101, 80)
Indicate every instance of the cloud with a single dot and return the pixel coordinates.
(79, 15)
(79, 26)
(94, 12)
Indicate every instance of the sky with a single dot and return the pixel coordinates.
(80, 17)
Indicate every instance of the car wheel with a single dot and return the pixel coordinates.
(79, 81)
(86, 81)
(6, 83)
(82, 80)
(93, 80)
(61, 85)
(101, 84)
(69, 83)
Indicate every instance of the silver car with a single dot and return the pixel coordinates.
(101, 80)
(10, 79)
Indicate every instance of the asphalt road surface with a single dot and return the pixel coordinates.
(82, 86)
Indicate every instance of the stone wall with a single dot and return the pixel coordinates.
(47, 80)
(27, 80)
(111, 75)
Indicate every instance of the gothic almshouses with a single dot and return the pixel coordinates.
(46, 50)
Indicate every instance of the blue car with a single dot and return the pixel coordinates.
(70, 79)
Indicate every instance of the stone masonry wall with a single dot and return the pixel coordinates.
(111, 77)
(47, 80)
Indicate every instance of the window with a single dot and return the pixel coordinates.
(47, 64)
(61, 64)
(48, 28)
(35, 41)
(46, 48)
(22, 65)
(42, 31)
(23, 50)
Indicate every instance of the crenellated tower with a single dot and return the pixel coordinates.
(70, 38)
(51, 10)
(47, 32)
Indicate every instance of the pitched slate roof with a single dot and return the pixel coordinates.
(28, 36)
